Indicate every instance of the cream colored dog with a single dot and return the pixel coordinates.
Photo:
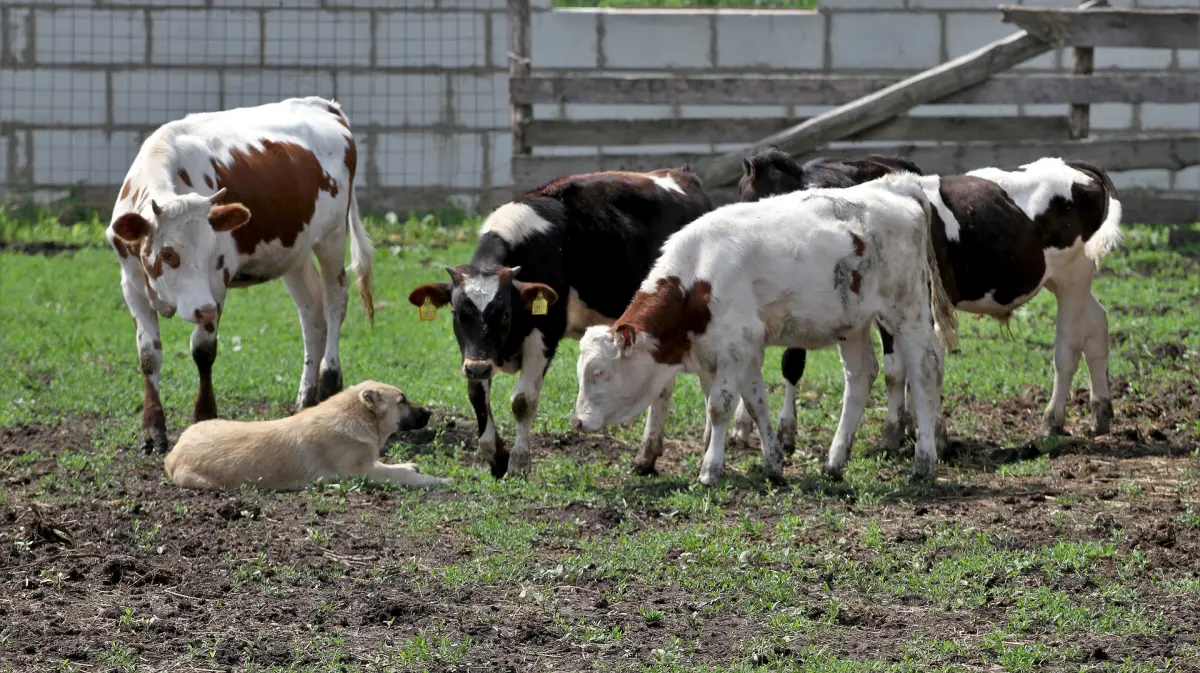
(342, 436)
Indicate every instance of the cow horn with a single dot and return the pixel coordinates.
(217, 195)
(155, 207)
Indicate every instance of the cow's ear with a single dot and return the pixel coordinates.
(438, 294)
(625, 337)
(131, 227)
(748, 168)
(530, 292)
(228, 217)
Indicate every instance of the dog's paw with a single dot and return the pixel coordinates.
(409, 466)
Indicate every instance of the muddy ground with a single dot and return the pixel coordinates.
(80, 572)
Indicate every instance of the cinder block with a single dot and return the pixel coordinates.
(885, 40)
(90, 36)
(480, 101)
(214, 37)
(968, 31)
(835, 5)
(1168, 116)
(481, 5)
(363, 141)
(450, 40)
(560, 40)
(1111, 116)
(954, 4)
(318, 38)
(160, 96)
(16, 34)
(266, 4)
(664, 149)
(247, 89)
(1181, 4)
(638, 40)
(964, 111)
(501, 154)
(161, 4)
(377, 4)
(1153, 178)
(774, 41)
(1188, 178)
(394, 100)
(581, 111)
(1130, 58)
(93, 157)
(53, 96)
(1188, 58)
(430, 160)
(546, 111)
(733, 111)
(4, 177)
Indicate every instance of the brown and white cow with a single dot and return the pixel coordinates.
(805, 270)
(1001, 236)
(235, 198)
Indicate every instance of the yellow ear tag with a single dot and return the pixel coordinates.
(540, 305)
(427, 311)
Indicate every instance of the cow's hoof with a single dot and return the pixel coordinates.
(153, 445)
(307, 398)
(711, 476)
(1102, 416)
(1054, 424)
(833, 473)
(891, 439)
(777, 480)
(645, 470)
(500, 464)
(787, 439)
(519, 464)
(330, 384)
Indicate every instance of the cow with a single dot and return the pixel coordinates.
(1001, 235)
(547, 265)
(805, 270)
(234, 198)
(772, 171)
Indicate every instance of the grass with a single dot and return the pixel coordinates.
(615, 572)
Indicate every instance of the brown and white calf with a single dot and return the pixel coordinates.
(235, 198)
(586, 239)
(805, 270)
(1001, 235)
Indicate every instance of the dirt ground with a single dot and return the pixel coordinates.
(79, 575)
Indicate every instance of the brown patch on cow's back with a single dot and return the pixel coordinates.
(351, 158)
(280, 184)
(187, 179)
(125, 190)
(860, 246)
(671, 316)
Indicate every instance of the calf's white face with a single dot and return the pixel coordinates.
(178, 250)
(618, 377)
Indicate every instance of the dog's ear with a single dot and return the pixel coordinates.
(372, 399)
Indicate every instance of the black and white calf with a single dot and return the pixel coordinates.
(588, 239)
(1001, 235)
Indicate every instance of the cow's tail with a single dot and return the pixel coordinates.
(1109, 235)
(945, 319)
(361, 258)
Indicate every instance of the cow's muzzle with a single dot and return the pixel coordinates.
(478, 370)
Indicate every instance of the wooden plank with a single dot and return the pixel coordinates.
(1126, 87)
(1159, 206)
(520, 52)
(1079, 115)
(551, 132)
(1109, 27)
(926, 87)
(1123, 153)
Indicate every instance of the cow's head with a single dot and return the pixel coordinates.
(619, 377)
(178, 250)
(485, 303)
(770, 172)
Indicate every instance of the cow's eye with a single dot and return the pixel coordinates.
(170, 257)
(598, 375)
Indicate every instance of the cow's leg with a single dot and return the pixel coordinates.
(706, 383)
(490, 446)
(1069, 336)
(923, 360)
(149, 345)
(793, 368)
(204, 354)
(743, 424)
(720, 410)
(305, 287)
(652, 437)
(1095, 351)
(331, 253)
(535, 359)
(754, 395)
(898, 419)
(860, 369)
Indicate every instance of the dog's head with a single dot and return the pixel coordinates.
(392, 408)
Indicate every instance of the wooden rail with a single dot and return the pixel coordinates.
(1108, 27)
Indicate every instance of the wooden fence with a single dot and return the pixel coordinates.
(871, 108)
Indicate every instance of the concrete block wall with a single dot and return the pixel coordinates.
(83, 81)
(841, 36)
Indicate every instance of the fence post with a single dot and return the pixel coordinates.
(1082, 61)
(519, 66)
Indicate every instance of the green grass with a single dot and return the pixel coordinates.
(941, 577)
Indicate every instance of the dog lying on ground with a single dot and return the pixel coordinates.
(342, 436)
